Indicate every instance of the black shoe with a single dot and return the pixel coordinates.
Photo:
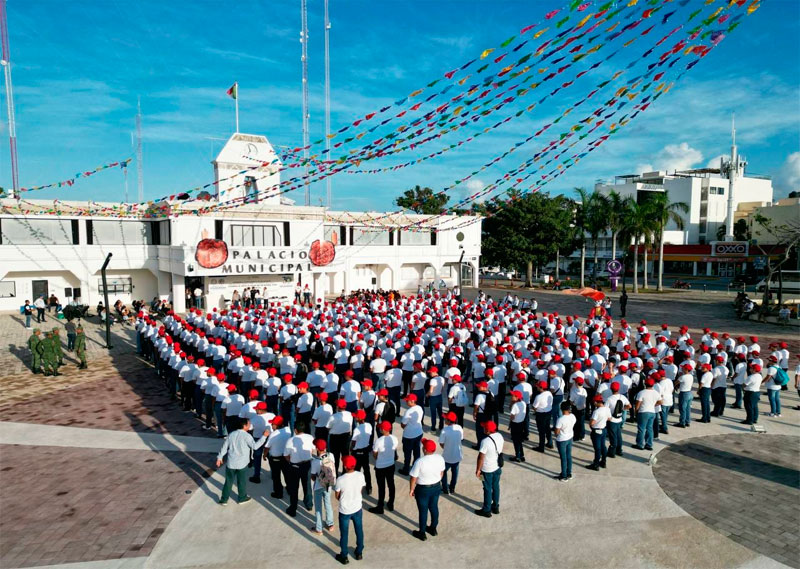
(341, 559)
(679, 426)
(358, 556)
(291, 511)
(445, 491)
(483, 513)
(255, 480)
(277, 495)
(376, 510)
(609, 455)
(514, 459)
(619, 453)
(549, 445)
(558, 477)
(432, 530)
(369, 491)
(496, 511)
(746, 422)
(592, 467)
(538, 449)
(637, 447)
(245, 500)
(419, 535)
(648, 448)
(403, 472)
(603, 464)
(390, 507)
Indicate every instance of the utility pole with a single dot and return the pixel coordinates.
(734, 168)
(139, 179)
(12, 122)
(328, 195)
(304, 59)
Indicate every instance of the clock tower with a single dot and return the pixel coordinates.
(247, 169)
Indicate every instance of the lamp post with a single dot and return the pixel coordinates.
(105, 297)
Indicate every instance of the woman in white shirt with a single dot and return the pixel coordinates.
(425, 487)
(646, 401)
(564, 433)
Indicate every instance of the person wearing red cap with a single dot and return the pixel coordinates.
(288, 395)
(752, 394)
(684, 386)
(384, 450)
(425, 485)
(260, 422)
(489, 470)
(542, 407)
(517, 418)
(303, 406)
(646, 402)
(597, 425)
(236, 451)
(435, 388)
(457, 399)
(705, 381)
(348, 492)
(323, 478)
(393, 379)
(617, 404)
(340, 428)
(384, 409)
(350, 391)
(276, 445)
(298, 458)
(482, 411)
(360, 445)
(322, 414)
(774, 375)
(564, 432)
(450, 440)
(412, 432)
(342, 359)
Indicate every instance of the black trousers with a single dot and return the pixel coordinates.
(385, 477)
(276, 469)
(459, 411)
(339, 446)
(719, 399)
(296, 476)
(543, 427)
(517, 436)
(362, 464)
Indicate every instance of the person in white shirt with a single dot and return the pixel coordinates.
(298, 458)
(276, 445)
(577, 396)
(384, 450)
(773, 388)
(543, 406)
(435, 388)
(322, 492)
(362, 435)
(488, 470)
(517, 415)
(458, 399)
(597, 425)
(412, 432)
(348, 493)
(614, 426)
(704, 392)
(752, 394)
(564, 434)
(666, 387)
(321, 416)
(646, 401)
(260, 424)
(684, 387)
(340, 428)
(425, 487)
(450, 440)
(719, 385)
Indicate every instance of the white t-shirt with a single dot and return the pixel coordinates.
(361, 436)
(565, 425)
(648, 399)
(601, 415)
(451, 438)
(413, 422)
(490, 448)
(350, 485)
(385, 446)
(611, 403)
(299, 448)
(517, 412)
(543, 403)
(428, 469)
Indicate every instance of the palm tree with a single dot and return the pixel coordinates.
(581, 208)
(664, 212)
(594, 220)
(635, 226)
(615, 216)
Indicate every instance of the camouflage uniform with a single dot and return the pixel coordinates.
(59, 349)
(80, 347)
(49, 358)
(33, 346)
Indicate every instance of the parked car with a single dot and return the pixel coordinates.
(745, 279)
(496, 276)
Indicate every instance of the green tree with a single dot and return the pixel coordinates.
(637, 228)
(663, 213)
(615, 216)
(528, 231)
(594, 218)
(423, 200)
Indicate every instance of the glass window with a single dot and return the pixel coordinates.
(415, 238)
(254, 236)
(116, 285)
(120, 233)
(21, 231)
(8, 289)
(370, 236)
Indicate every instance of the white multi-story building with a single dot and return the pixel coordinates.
(56, 248)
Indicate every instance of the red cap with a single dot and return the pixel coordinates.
(349, 462)
(579, 381)
(650, 382)
(428, 445)
(302, 385)
(615, 386)
(341, 404)
(383, 392)
(451, 417)
(261, 406)
(367, 383)
(598, 398)
(411, 397)
(320, 444)
(322, 396)
(386, 426)
(542, 385)
(287, 377)
(277, 421)
(361, 415)
(490, 427)
(253, 394)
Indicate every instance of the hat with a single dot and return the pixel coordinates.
(383, 392)
(615, 386)
(367, 383)
(287, 377)
(452, 417)
(341, 404)
(253, 394)
(277, 421)
(428, 445)
(542, 385)
(490, 427)
(322, 396)
(361, 415)
(411, 397)
(481, 385)
(598, 398)
(261, 406)
(516, 394)
(320, 444)
(386, 426)
(756, 367)
(349, 462)
(650, 382)
(579, 380)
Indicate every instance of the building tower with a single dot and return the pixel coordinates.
(734, 168)
(12, 123)
(304, 58)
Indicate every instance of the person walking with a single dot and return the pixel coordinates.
(450, 440)
(489, 469)
(79, 345)
(323, 478)
(564, 433)
(236, 452)
(384, 450)
(425, 486)
(348, 493)
(597, 424)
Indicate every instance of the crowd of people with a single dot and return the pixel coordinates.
(330, 395)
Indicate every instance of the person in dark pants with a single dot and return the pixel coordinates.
(236, 450)
(597, 425)
(298, 458)
(412, 432)
(362, 435)
(425, 486)
(276, 445)
(384, 450)
(543, 406)
(517, 425)
(623, 304)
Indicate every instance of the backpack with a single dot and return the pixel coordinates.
(461, 399)
(389, 412)
(327, 471)
(781, 377)
(618, 409)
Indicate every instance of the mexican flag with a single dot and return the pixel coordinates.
(233, 92)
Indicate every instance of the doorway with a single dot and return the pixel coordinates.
(39, 288)
(193, 300)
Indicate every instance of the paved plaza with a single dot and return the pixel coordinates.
(99, 470)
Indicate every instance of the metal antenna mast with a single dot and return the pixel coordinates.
(304, 42)
(328, 195)
(12, 123)
(139, 178)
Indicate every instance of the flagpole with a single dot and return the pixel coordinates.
(236, 100)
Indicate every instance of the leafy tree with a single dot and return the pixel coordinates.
(664, 212)
(528, 230)
(638, 228)
(615, 216)
(423, 200)
(594, 218)
(785, 238)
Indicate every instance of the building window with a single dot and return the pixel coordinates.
(254, 236)
(251, 191)
(715, 191)
(117, 285)
(121, 233)
(21, 231)
(369, 236)
(415, 238)
(8, 289)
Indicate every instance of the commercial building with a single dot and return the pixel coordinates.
(58, 248)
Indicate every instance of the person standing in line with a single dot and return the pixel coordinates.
(482, 411)
(340, 428)
(276, 445)
(597, 425)
(666, 388)
(564, 434)
(304, 405)
(542, 406)
(684, 384)
(27, 310)
(450, 440)
(436, 385)
(517, 425)
(458, 399)
(425, 486)
(752, 394)
(362, 435)
(577, 396)
(321, 416)
(323, 477)
(646, 402)
(298, 461)
(57, 347)
(704, 392)
(40, 306)
(489, 470)
(348, 492)
(617, 405)
(80, 347)
(412, 432)
(36, 353)
(773, 388)
(739, 376)
(718, 387)
(238, 447)
(384, 450)
(47, 351)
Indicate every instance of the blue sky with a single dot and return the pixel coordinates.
(78, 68)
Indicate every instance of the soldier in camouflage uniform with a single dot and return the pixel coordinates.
(59, 349)
(33, 346)
(80, 347)
(49, 358)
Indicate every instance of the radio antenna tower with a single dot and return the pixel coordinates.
(328, 195)
(139, 179)
(304, 58)
(12, 123)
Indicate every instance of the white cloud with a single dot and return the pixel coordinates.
(673, 157)
(788, 177)
(714, 162)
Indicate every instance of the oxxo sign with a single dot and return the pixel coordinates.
(729, 248)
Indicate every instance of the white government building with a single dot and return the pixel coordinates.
(267, 243)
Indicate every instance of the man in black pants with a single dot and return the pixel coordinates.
(276, 445)
(384, 449)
